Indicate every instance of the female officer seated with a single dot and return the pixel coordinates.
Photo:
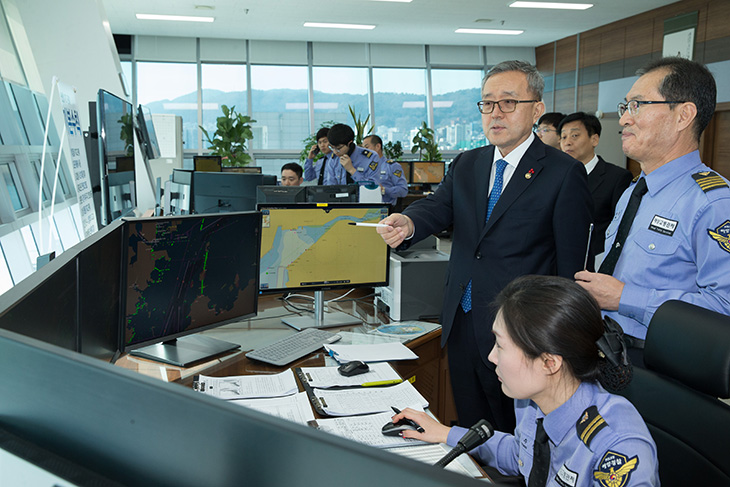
(547, 359)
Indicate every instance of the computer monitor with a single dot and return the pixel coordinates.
(224, 192)
(316, 247)
(281, 194)
(183, 275)
(334, 193)
(207, 163)
(115, 119)
(146, 133)
(427, 172)
(243, 169)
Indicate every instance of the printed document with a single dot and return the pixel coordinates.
(248, 386)
(369, 400)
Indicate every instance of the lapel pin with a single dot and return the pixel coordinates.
(529, 173)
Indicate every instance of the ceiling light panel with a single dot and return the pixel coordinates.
(325, 25)
(552, 5)
(177, 18)
(503, 32)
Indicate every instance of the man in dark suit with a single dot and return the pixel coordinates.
(579, 136)
(517, 207)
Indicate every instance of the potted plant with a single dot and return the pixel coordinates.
(359, 126)
(425, 143)
(393, 151)
(233, 129)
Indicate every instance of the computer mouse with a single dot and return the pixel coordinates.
(395, 429)
(355, 367)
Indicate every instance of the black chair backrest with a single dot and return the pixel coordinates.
(687, 356)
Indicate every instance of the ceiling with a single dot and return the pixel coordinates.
(418, 22)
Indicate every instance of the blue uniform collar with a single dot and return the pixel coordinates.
(660, 177)
(559, 423)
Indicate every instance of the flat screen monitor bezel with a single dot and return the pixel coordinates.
(197, 160)
(123, 345)
(235, 192)
(322, 206)
(147, 138)
(413, 165)
(297, 191)
(352, 190)
(106, 211)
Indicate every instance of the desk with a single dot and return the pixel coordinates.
(429, 373)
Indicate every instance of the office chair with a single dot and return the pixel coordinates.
(687, 356)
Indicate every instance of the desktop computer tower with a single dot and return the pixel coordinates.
(416, 284)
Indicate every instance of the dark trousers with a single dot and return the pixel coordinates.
(477, 391)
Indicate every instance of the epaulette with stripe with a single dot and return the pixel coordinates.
(589, 424)
(708, 180)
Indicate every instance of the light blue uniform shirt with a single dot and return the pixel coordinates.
(311, 168)
(614, 437)
(370, 168)
(678, 244)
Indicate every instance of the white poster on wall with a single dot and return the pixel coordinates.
(79, 163)
(679, 44)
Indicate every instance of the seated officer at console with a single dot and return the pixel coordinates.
(361, 165)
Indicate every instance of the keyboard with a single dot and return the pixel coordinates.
(293, 347)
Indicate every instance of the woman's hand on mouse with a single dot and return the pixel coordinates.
(435, 432)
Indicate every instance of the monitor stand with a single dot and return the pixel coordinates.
(320, 319)
(185, 351)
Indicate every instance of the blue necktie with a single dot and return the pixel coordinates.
(493, 197)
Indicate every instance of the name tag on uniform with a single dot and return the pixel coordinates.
(566, 477)
(662, 225)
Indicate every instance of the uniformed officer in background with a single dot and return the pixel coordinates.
(314, 171)
(361, 165)
(669, 236)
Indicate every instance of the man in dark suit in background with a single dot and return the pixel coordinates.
(579, 136)
(517, 207)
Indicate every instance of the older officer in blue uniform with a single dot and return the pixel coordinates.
(570, 431)
(676, 246)
(361, 165)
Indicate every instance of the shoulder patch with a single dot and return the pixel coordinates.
(367, 153)
(397, 173)
(373, 165)
(390, 161)
(721, 235)
(708, 180)
(589, 424)
(614, 469)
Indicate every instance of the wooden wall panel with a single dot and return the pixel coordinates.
(544, 58)
(639, 39)
(565, 100)
(590, 50)
(718, 13)
(588, 98)
(721, 144)
(566, 51)
(612, 45)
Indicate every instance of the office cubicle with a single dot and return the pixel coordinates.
(141, 431)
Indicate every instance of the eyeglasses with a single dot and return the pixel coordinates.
(505, 106)
(544, 130)
(633, 106)
(338, 148)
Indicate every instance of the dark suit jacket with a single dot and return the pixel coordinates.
(539, 226)
(607, 183)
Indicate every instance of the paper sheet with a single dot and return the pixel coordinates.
(369, 400)
(324, 377)
(382, 352)
(365, 429)
(248, 386)
(433, 452)
(405, 331)
(294, 408)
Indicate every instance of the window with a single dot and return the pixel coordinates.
(11, 179)
(16, 255)
(171, 88)
(337, 89)
(400, 104)
(223, 84)
(127, 72)
(280, 106)
(457, 122)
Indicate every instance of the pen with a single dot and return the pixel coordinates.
(376, 225)
(418, 427)
(381, 383)
(588, 248)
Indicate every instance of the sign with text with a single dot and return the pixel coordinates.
(79, 163)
